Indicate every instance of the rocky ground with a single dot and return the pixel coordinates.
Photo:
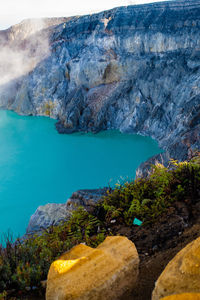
(150, 268)
(157, 244)
(152, 263)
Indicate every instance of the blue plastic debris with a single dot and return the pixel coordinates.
(137, 222)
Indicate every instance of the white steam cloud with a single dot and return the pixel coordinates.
(23, 46)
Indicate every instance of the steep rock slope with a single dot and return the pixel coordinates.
(135, 68)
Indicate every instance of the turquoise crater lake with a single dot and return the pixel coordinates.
(40, 166)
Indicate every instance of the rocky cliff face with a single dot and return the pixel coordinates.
(135, 68)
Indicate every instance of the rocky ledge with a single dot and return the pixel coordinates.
(53, 213)
(134, 68)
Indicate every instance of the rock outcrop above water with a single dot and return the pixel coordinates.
(107, 272)
(53, 213)
(182, 274)
(86, 198)
(47, 215)
(135, 68)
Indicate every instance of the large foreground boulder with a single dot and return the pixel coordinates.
(107, 272)
(182, 274)
(186, 296)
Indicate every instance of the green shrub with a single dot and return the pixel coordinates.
(148, 198)
(26, 263)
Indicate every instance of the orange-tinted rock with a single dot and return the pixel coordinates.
(84, 273)
(182, 274)
(186, 296)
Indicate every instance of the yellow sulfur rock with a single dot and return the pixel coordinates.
(182, 274)
(84, 273)
(187, 296)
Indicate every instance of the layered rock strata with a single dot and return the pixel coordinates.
(134, 68)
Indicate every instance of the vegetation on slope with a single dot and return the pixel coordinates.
(25, 263)
(148, 198)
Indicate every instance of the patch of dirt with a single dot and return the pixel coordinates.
(157, 244)
(152, 266)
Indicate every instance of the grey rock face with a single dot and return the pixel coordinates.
(86, 198)
(135, 68)
(53, 213)
(47, 215)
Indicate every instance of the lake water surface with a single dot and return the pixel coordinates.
(40, 166)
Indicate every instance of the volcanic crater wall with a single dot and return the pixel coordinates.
(134, 68)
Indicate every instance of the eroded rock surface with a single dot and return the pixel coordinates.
(86, 198)
(135, 68)
(187, 296)
(182, 274)
(47, 215)
(83, 273)
(53, 213)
